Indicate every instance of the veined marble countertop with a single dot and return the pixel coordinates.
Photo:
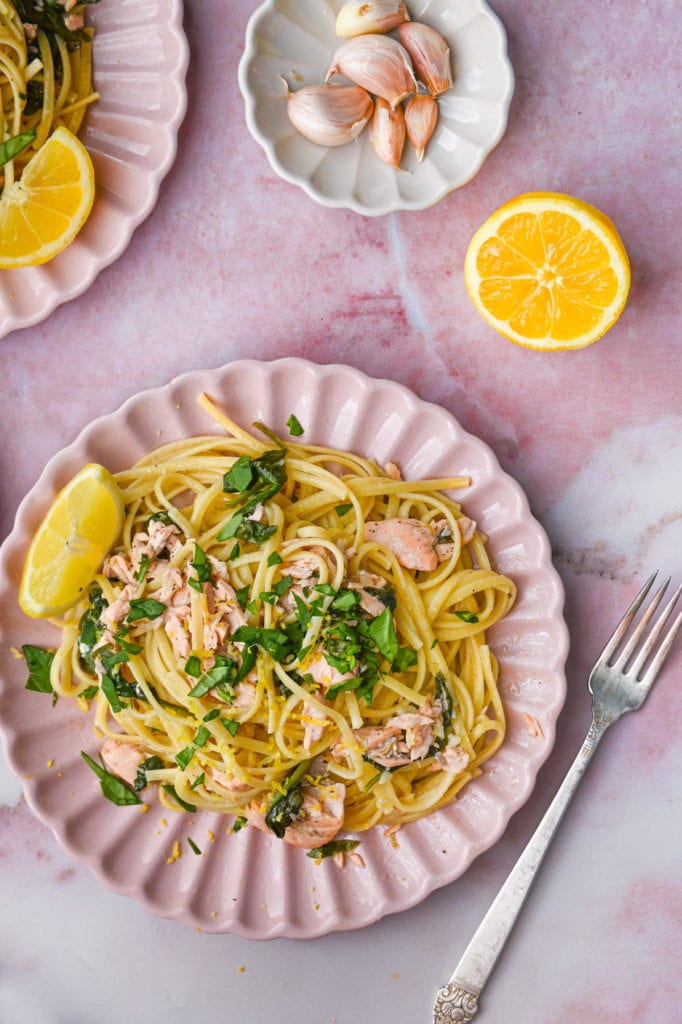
(234, 262)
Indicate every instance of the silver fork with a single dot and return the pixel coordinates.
(617, 684)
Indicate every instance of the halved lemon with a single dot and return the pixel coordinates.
(44, 211)
(548, 272)
(80, 528)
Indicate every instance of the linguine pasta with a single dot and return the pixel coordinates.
(290, 634)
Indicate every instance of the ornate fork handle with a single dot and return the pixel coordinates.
(457, 1002)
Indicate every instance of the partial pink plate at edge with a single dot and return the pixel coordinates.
(251, 884)
(140, 59)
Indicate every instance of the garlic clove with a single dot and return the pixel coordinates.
(430, 56)
(421, 118)
(356, 19)
(377, 63)
(329, 115)
(387, 132)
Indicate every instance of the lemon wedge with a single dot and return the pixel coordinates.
(70, 544)
(44, 211)
(548, 272)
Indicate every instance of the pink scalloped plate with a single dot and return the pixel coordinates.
(140, 57)
(252, 884)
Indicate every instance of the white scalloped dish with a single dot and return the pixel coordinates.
(139, 61)
(295, 39)
(250, 883)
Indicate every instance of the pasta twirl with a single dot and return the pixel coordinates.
(290, 634)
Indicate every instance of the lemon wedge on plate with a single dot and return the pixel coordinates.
(43, 212)
(80, 528)
(548, 272)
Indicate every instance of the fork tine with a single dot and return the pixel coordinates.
(622, 626)
(638, 632)
(654, 634)
(663, 651)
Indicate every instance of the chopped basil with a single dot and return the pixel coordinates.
(193, 666)
(201, 565)
(17, 144)
(287, 801)
(240, 478)
(89, 692)
(231, 726)
(434, 643)
(295, 428)
(274, 558)
(267, 476)
(184, 756)
(111, 786)
(382, 631)
(38, 662)
(467, 616)
(342, 509)
(145, 608)
(335, 846)
(348, 684)
(239, 823)
(126, 645)
(202, 736)
(198, 781)
(271, 640)
(325, 588)
(243, 596)
(183, 803)
(211, 715)
(345, 600)
(152, 763)
(234, 553)
(385, 594)
(111, 693)
(269, 596)
(52, 17)
(142, 571)
(91, 628)
(404, 659)
(193, 846)
(223, 673)
(444, 697)
(303, 612)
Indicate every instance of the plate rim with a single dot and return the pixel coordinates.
(36, 496)
(303, 182)
(177, 78)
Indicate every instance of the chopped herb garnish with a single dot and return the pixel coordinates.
(404, 659)
(91, 629)
(223, 673)
(183, 803)
(275, 643)
(382, 631)
(111, 786)
(256, 481)
(234, 553)
(269, 596)
(193, 846)
(211, 715)
(145, 608)
(335, 846)
(142, 571)
(184, 756)
(434, 643)
(345, 600)
(325, 588)
(201, 566)
(295, 428)
(89, 692)
(274, 558)
(239, 824)
(280, 588)
(287, 801)
(303, 612)
(38, 661)
(240, 477)
(16, 145)
(198, 781)
(385, 594)
(231, 726)
(193, 666)
(342, 509)
(445, 699)
(126, 645)
(110, 691)
(243, 596)
(153, 763)
(252, 607)
(202, 736)
(467, 616)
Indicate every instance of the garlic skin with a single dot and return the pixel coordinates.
(356, 19)
(329, 115)
(387, 133)
(421, 118)
(430, 55)
(379, 64)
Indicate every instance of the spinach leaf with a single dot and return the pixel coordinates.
(145, 608)
(193, 666)
(111, 786)
(342, 509)
(275, 643)
(223, 673)
(240, 477)
(38, 662)
(268, 476)
(382, 631)
(287, 801)
(151, 764)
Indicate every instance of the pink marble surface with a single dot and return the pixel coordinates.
(235, 263)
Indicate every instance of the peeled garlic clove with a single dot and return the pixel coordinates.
(377, 63)
(430, 55)
(329, 115)
(380, 16)
(421, 118)
(387, 132)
